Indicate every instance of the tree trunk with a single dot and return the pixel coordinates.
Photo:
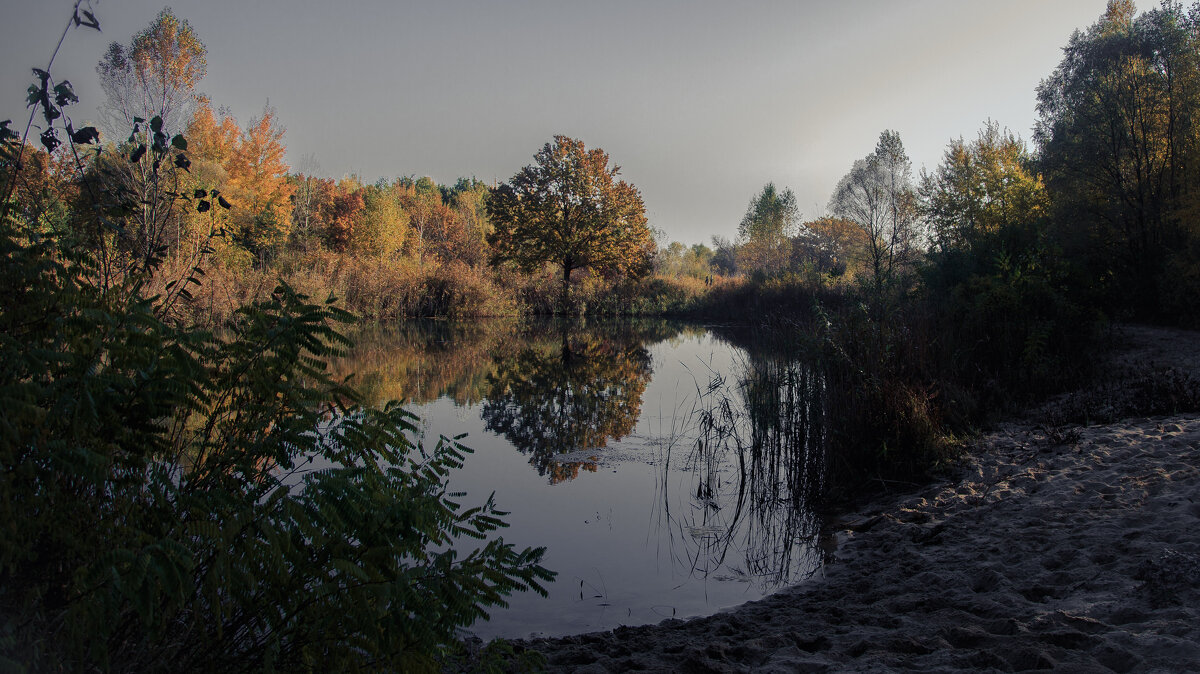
(566, 288)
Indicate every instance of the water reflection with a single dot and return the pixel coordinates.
(423, 361)
(711, 439)
(569, 393)
(757, 462)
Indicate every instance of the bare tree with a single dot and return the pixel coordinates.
(304, 199)
(878, 195)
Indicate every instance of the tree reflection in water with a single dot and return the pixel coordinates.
(564, 396)
(740, 467)
(757, 462)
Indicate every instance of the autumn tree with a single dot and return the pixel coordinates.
(43, 190)
(466, 233)
(149, 84)
(383, 227)
(831, 245)
(1118, 139)
(259, 187)
(769, 222)
(421, 200)
(308, 191)
(155, 75)
(568, 208)
(212, 138)
(980, 188)
(342, 214)
(878, 195)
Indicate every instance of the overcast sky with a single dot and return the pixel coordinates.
(700, 103)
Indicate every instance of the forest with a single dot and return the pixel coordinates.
(174, 292)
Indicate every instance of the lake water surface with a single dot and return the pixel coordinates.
(669, 469)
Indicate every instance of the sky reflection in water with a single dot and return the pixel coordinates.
(667, 468)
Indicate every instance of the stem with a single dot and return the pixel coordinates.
(12, 183)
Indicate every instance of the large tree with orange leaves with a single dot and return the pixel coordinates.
(568, 208)
(258, 185)
(210, 139)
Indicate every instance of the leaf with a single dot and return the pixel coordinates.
(7, 134)
(224, 204)
(199, 194)
(137, 154)
(156, 124)
(91, 20)
(85, 136)
(179, 142)
(64, 94)
(202, 206)
(181, 161)
(50, 140)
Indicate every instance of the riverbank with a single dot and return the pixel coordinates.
(1054, 545)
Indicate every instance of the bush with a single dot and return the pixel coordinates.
(1008, 314)
(893, 415)
(174, 500)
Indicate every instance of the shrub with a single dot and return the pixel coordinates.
(174, 499)
(1008, 315)
(171, 501)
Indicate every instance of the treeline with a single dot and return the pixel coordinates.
(1106, 198)
(997, 263)
(984, 283)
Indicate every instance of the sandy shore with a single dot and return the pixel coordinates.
(1070, 547)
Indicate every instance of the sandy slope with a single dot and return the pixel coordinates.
(1075, 549)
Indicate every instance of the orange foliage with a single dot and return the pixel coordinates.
(341, 212)
(42, 188)
(209, 139)
(259, 186)
(830, 244)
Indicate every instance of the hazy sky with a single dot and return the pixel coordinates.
(700, 103)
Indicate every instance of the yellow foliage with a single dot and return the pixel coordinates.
(258, 185)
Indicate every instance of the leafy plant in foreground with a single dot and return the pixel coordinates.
(174, 499)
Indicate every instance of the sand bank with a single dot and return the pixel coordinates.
(1067, 547)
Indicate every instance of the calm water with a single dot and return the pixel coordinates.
(667, 468)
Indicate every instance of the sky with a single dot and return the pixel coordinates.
(700, 103)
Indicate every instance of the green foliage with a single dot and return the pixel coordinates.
(1120, 145)
(676, 260)
(1001, 293)
(174, 499)
(981, 188)
(766, 229)
(177, 500)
